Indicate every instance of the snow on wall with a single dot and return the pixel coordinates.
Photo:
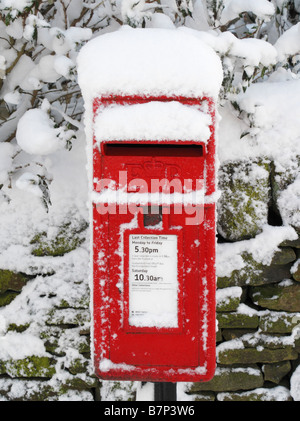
(266, 125)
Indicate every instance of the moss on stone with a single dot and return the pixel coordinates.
(67, 317)
(275, 372)
(79, 383)
(12, 281)
(237, 320)
(219, 336)
(50, 337)
(283, 256)
(67, 239)
(29, 367)
(41, 390)
(2, 368)
(283, 296)
(230, 379)
(78, 365)
(234, 333)
(278, 321)
(257, 348)
(18, 328)
(57, 339)
(243, 206)
(84, 346)
(291, 243)
(119, 390)
(82, 302)
(7, 297)
(229, 356)
(228, 304)
(255, 273)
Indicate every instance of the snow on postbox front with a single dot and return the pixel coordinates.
(150, 125)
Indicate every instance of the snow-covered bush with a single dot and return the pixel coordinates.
(40, 101)
(39, 42)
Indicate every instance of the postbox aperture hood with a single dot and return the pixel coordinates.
(148, 62)
(154, 120)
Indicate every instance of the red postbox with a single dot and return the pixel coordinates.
(154, 253)
(153, 217)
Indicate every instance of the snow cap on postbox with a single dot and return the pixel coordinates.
(148, 62)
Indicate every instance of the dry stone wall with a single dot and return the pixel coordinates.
(258, 304)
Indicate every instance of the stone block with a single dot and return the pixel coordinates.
(275, 394)
(255, 273)
(243, 206)
(7, 297)
(275, 372)
(29, 367)
(230, 379)
(243, 318)
(283, 296)
(256, 348)
(278, 321)
(12, 281)
(67, 238)
(228, 299)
